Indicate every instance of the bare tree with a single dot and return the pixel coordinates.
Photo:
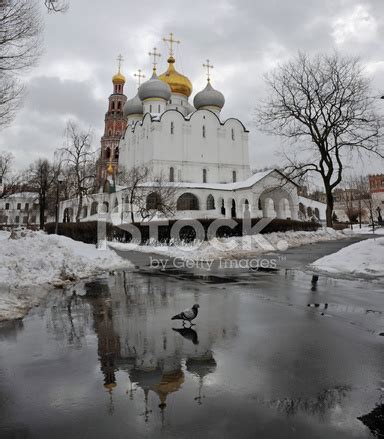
(20, 30)
(56, 5)
(42, 176)
(147, 195)
(80, 161)
(324, 106)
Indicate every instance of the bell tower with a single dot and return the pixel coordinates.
(114, 127)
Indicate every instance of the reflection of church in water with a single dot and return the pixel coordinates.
(135, 335)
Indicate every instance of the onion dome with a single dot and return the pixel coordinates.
(154, 89)
(178, 82)
(119, 78)
(209, 97)
(133, 106)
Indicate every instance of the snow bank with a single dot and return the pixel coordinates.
(363, 259)
(33, 259)
(364, 230)
(235, 247)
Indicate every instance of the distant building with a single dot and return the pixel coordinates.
(19, 209)
(376, 187)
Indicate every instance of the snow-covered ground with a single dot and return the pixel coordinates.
(34, 260)
(364, 259)
(235, 247)
(364, 230)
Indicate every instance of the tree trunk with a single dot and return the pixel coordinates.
(42, 209)
(79, 208)
(329, 211)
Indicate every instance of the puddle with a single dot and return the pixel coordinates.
(105, 358)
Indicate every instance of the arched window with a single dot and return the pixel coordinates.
(259, 205)
(105, 207)
(309, 211)
(119, 105)
(172, 128)
(210, 202)
(108, 153)
(110, 132)
(204, 175)
(187, 201)
(153, 201)
(85, 211)
(113, 105)
(233, 134)
(171, 174)
(204, 133)
(117, 153)
(234, 176)
(94, 207)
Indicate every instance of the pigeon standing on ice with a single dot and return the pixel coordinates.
(188, 314)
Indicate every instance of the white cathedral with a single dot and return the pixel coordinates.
(204, 156)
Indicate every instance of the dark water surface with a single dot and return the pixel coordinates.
(104, 360)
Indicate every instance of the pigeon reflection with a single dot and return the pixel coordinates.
(188, 333)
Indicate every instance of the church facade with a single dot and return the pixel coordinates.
(191, 147)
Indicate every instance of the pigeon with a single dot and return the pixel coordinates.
(188, 314)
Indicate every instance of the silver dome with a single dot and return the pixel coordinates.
(133, 106)
(155, 88)
(209, 97)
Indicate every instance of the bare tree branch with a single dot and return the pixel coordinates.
(324, 107)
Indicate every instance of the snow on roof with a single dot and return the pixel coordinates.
(24, 195)
(219, 186)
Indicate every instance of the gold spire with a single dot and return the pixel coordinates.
(208, 67)
(178, 82)
(155, 55)
(119, 77)
(139, 76)
(171, 42)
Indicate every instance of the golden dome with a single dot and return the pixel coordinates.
(119, 77)
(178, 82)
(110, 169)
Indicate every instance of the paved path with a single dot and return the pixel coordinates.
(293, 258)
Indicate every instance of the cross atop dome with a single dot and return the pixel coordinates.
(155, 55)
(208, 67)
(120, 59)
(171, 42)
(139, 77)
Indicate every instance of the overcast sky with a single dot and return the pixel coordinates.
(243, 39)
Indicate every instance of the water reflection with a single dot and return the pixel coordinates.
(188, 333)
(131, 319)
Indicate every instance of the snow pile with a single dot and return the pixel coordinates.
(363, 259)
(235, 247)
(34, 258)
(31, 261)
(364, 230)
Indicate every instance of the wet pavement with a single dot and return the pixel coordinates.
(272, 355)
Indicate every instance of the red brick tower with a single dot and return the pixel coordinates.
(115, 125)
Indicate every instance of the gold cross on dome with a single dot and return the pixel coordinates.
(208, 67)
(120, 59)
(171, 42)
(155, 55)
(139, 77)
